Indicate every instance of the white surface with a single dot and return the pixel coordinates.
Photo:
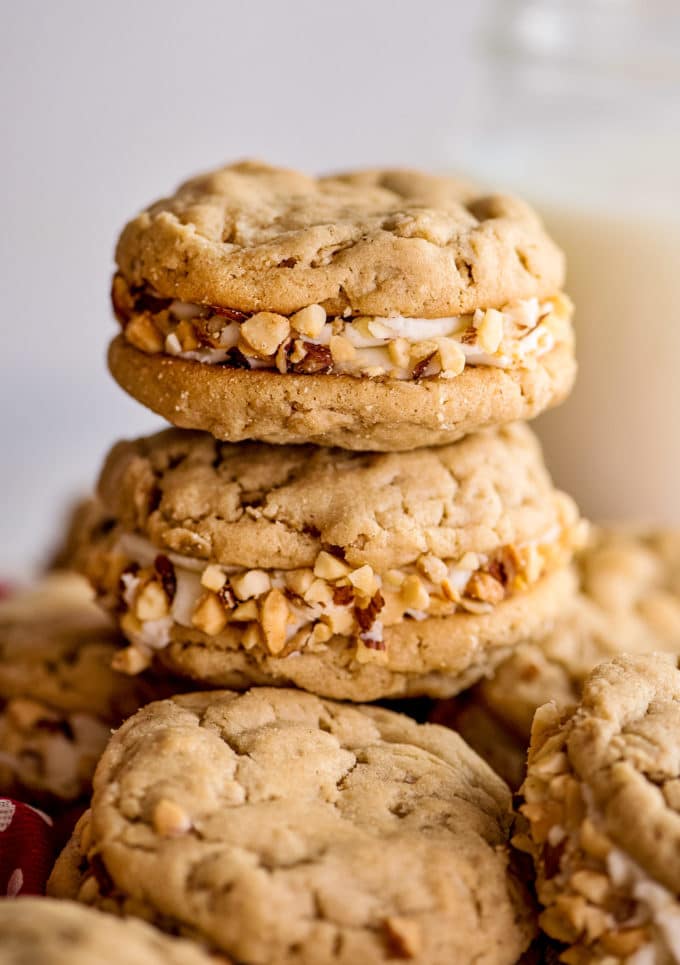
(107, 106)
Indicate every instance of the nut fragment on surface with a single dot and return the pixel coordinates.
(169, 819)
(405, 936)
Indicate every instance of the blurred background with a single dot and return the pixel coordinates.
(576, 104)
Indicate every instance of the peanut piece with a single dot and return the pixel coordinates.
(209, 615)
(213, 578)
(274, 620)
(329, 567)
(364, 580)
(414, 594)
(309, 321)
(151, 603)
(141, 332)
(265, 331)
(490, 331)
(169, 819)
(249, 584)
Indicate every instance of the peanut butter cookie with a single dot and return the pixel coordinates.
(59, 696)
(380, 310)
(354, 575)
(603, 812)
(39, 931)
(281, 828)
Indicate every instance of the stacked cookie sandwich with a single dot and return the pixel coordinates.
(312, 333)
(348, 508)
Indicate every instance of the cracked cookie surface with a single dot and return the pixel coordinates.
(46, 932)
(603, 812)
(280, 827)
(356, 576)
(254, 237)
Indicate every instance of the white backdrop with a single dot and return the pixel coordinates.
(106, 106)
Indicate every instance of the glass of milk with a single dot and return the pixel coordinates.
(581, 114)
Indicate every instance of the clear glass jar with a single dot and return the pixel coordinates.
(581, 114)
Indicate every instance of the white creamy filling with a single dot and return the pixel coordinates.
(656, 905)
(525, 335)
(155, 634)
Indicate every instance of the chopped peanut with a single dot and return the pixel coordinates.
(213, 578)
(252, 636)
(299, 581)
(319, 592)
(131, 660)
(433, 568)
(364, 580)
(399, 352)
(265, 331)
(186, 335)
(329, 567)
(151, 603)
(422, 350)
(245, 612)
(249, 584)
(482, 586)
(209, 615)
(309, 321)
(490, 331)
(340, 620)
(141, 332)
(451, 357)
(321, 633)
(274, 619)
(405, 935)
(169, 819)
(414, 594)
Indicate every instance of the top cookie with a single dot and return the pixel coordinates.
(257, 238)
(281, 828)
(39, 931)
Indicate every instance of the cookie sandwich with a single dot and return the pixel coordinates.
(380, 838)
(603, 813)
(379, 310)
(353, 575)
(59, 697)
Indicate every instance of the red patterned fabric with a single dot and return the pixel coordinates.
(27, 847)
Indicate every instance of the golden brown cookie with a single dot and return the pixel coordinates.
(603, 811)
(356, 576)
(380, 310)
(281, 828)
(40, 931)
(59, 696)
(629, 602)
